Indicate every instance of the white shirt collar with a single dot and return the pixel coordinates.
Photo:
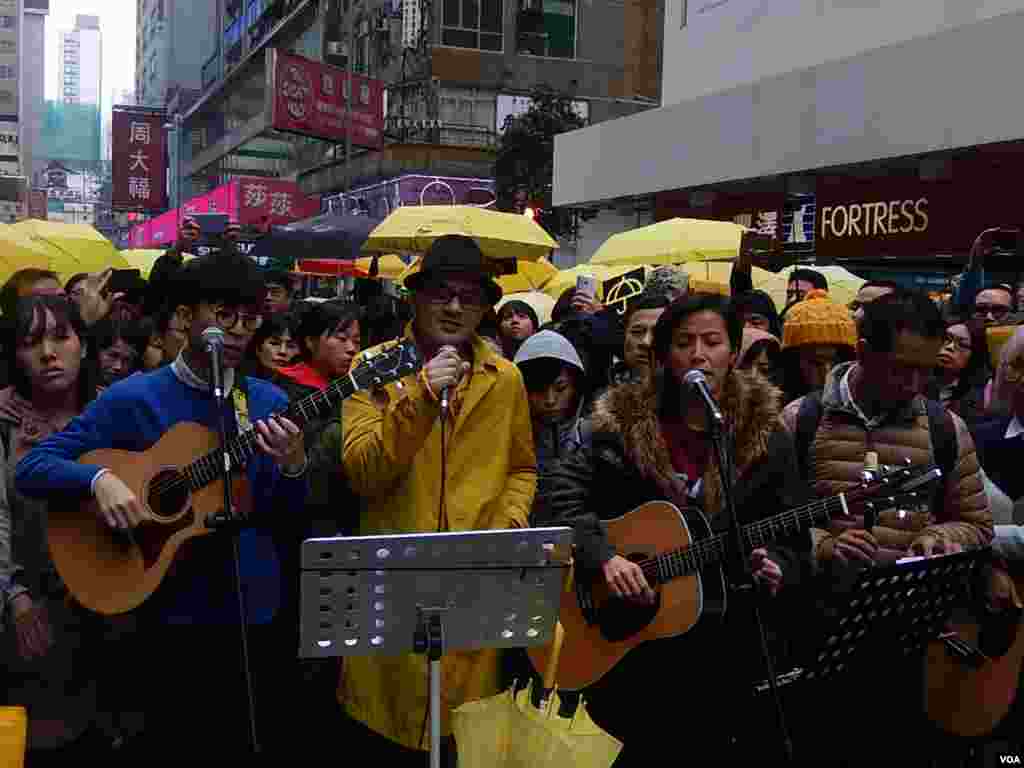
(1014, 429)
(190, 378)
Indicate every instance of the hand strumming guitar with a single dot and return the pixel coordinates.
(626, 579)
(277, 437)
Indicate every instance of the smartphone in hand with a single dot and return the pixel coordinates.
(587, 286)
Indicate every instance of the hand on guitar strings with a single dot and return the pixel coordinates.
(118, 507)
(280, 439)
(626, 580)
(35, 637)
(765, 570)
(930, 546)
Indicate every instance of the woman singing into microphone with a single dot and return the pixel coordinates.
(651, 443)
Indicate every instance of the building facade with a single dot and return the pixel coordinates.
(33, 88)
(876, 135)
(452, 72)
(80, 63)
(172, 39)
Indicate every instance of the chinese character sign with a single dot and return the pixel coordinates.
(315, 99)
(139, 165)
(273, 201)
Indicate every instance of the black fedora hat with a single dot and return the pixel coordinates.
(455, 254)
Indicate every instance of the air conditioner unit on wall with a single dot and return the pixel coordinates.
(337, 48)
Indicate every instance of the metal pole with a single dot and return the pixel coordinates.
(178, 120)
(351, 95)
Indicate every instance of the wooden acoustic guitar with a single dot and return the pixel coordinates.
(972, 673)
(681, 560)
(110, 571)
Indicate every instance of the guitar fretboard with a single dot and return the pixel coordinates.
(687, 561)
(242, 447)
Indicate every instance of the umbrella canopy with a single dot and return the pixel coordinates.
(529, 276)
(143, 259)
(328, 236)
(17, 251)
(542, 303)
(843, 285)
(566, 278)
(328, 268)
(412, 229)
(74, 248)
(676, 241)
(389, 266)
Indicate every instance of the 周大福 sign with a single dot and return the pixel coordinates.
(874, 219)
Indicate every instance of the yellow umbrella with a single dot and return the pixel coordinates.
(19, 252)
(529, 276)
(676, 241)
(566, 278)
(78, 247)
(412, 229)
(389, 267)
(508, 731)
(143, 259)
(843, 285)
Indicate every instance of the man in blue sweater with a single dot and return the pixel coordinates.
(188, 646)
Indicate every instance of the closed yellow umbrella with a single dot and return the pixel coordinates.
(413, 228)
(676, 241)
(79, 247)
(529, 276)
(389, 266)
(143, 259)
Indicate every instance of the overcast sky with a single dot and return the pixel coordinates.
(117, 26)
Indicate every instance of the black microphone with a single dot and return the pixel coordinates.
(446, 390)
(696, 381)
(213, 339)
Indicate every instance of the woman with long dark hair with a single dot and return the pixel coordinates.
(962, 371)
(47, 636)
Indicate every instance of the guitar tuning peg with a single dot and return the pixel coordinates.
(906, 462)
(399, 385)
(902, 514)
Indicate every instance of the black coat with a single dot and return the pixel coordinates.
(695, 679)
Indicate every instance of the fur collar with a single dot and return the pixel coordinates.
(751, 406)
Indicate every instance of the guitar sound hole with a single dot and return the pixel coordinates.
(168, 494)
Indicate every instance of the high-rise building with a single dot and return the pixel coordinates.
(119, 97)
(171, 44)
(33, 88)
(80, 65)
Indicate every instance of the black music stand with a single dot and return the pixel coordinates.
(432, 593)
(901, 607)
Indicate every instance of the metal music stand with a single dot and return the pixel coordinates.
(431, 593)
(903, 606)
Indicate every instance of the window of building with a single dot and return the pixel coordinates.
(7, 72)
(7, 21)
(468, 108)
(546, 28)
(473, 24)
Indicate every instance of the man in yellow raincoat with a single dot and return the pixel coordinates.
(392, 458)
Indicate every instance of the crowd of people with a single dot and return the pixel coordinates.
(572, 421)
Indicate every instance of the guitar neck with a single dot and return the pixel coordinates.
(242, 447)
(687, 561)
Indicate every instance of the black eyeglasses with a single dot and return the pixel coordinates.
(228, 318)
(442, 295)
(957, 343)
(996, 310)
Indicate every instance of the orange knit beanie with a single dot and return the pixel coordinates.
(818, 320)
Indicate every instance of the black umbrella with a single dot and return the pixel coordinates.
(328, 236)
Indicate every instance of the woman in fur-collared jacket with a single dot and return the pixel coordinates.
(650, 443)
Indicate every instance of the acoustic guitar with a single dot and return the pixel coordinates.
(681, 559)
(972, 672)
(110, 571)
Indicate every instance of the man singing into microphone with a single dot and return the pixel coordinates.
(651, 443)
(392, 457)
(189, 649)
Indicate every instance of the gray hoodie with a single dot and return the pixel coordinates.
(556, 441)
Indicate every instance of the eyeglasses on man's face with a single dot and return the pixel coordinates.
(997, 311)
(958, 344)
(228, 318)
(443, 294)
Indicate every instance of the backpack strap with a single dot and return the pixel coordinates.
(944, 447)
(807, 420)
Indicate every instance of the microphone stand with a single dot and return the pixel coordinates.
(740, 577)
(227, 518)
